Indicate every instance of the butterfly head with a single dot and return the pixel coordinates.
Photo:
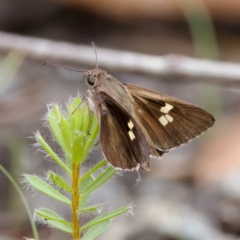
(91, 77)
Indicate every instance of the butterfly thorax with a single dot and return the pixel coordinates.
(103, 86)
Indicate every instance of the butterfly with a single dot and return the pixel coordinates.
(137, 124)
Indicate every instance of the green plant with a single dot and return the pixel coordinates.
(75, 133)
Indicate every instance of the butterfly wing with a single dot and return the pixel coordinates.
(168, 121)
(123, 141)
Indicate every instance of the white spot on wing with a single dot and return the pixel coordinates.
(163, 120)
(131, 135)
(130, 124)
(169, 118)
(166, 108)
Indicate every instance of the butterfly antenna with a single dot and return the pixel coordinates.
(59, 66)
(94, 46)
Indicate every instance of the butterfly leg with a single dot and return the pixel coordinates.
(78, 106)
(138, 179)
(91, 108)
(97, 143)
(90, 120)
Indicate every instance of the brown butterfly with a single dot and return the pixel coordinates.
(137, 123)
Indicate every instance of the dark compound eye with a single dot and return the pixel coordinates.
(91, 80)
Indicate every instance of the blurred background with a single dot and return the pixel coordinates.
(193, 193)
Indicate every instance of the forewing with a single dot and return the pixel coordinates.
(169, 122)
(123, 142)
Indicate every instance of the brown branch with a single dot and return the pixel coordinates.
(43, 49)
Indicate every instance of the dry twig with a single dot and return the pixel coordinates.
(43, 49)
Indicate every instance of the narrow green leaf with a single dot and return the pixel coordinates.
(22, 197)
(94, 208)
(78, 119)
(66, 135)
(78, 148)
(60, 225)
(68, 161)
(51, 153)
(73, 107)
(55, 122)
(45, 188)
(96, 230)
(54, 118)
(83, 201)
(59, 181)
(86, 120)
(91, 136)
(59, 128)
(94, 169)
(48, 214)
(84, 183)
(77, 123)
(101, 179)
(54, 219)
(57, 112)
(105, 217)
(94, 128)
(75, 116)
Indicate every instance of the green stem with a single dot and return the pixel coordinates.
(34, 229)
(75, 201)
